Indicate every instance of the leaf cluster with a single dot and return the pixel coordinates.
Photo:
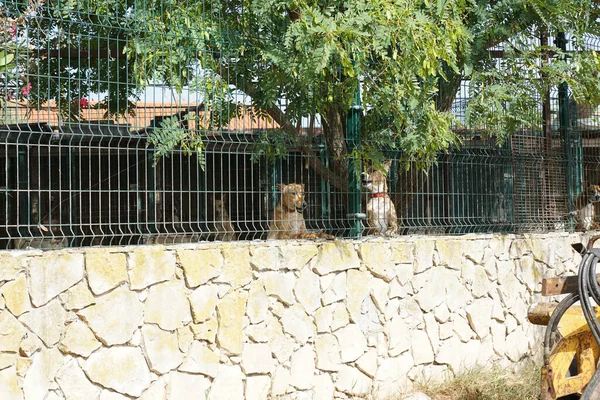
(298, 60)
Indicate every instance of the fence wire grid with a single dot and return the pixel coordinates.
(80, 168)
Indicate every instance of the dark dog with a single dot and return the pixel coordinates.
(220, 226)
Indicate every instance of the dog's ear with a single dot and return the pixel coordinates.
(280, 186)
(224, 197)
(585, 184)
(302, 186)
(387, 165)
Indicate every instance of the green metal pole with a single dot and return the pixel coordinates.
(73, 161)
(353, 139)
(565, 131)
(151, 193)
(23, 192)
(325, 189)
(508, 185)
(11, 190)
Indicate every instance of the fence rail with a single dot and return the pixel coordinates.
(96, 184)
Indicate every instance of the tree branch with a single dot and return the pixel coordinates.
(313, 160)
(279, 117)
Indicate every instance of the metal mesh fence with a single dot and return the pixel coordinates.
(80, 168)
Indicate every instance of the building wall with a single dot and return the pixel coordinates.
(257, 320)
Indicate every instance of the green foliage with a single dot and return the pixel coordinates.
(75, 50)
(314, 55)
(506, 95)
(170, 135)
(298, 59)
(13, 83)
(7, 61)
(274, 145)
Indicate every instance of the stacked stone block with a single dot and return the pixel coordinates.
(276, 320)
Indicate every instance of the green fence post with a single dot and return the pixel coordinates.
(23, 192)
(73, 162)
(325, 189)
(573, 181)
(150, 192)
(508, 184)
(353, 138)
(11, 190)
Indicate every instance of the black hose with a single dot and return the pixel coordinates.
(557, 314)
(591, 390)
(588, 288)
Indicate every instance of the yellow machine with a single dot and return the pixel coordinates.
(571, 349)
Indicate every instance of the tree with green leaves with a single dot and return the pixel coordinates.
(304, 60)
(312, 57)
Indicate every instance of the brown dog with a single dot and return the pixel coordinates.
(381, 213)
(221, 226)
(585, 206)
(288, 221)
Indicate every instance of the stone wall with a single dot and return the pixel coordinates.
(255, 320)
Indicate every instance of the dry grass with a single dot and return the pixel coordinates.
(484, 383)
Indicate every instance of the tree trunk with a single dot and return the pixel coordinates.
(334, 129)
(448, 90)
(412, 182)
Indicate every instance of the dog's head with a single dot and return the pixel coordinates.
(292, 197)
(591, 193)
(219, 206)
(373, 180)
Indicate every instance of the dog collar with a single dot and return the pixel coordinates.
(373, 195)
